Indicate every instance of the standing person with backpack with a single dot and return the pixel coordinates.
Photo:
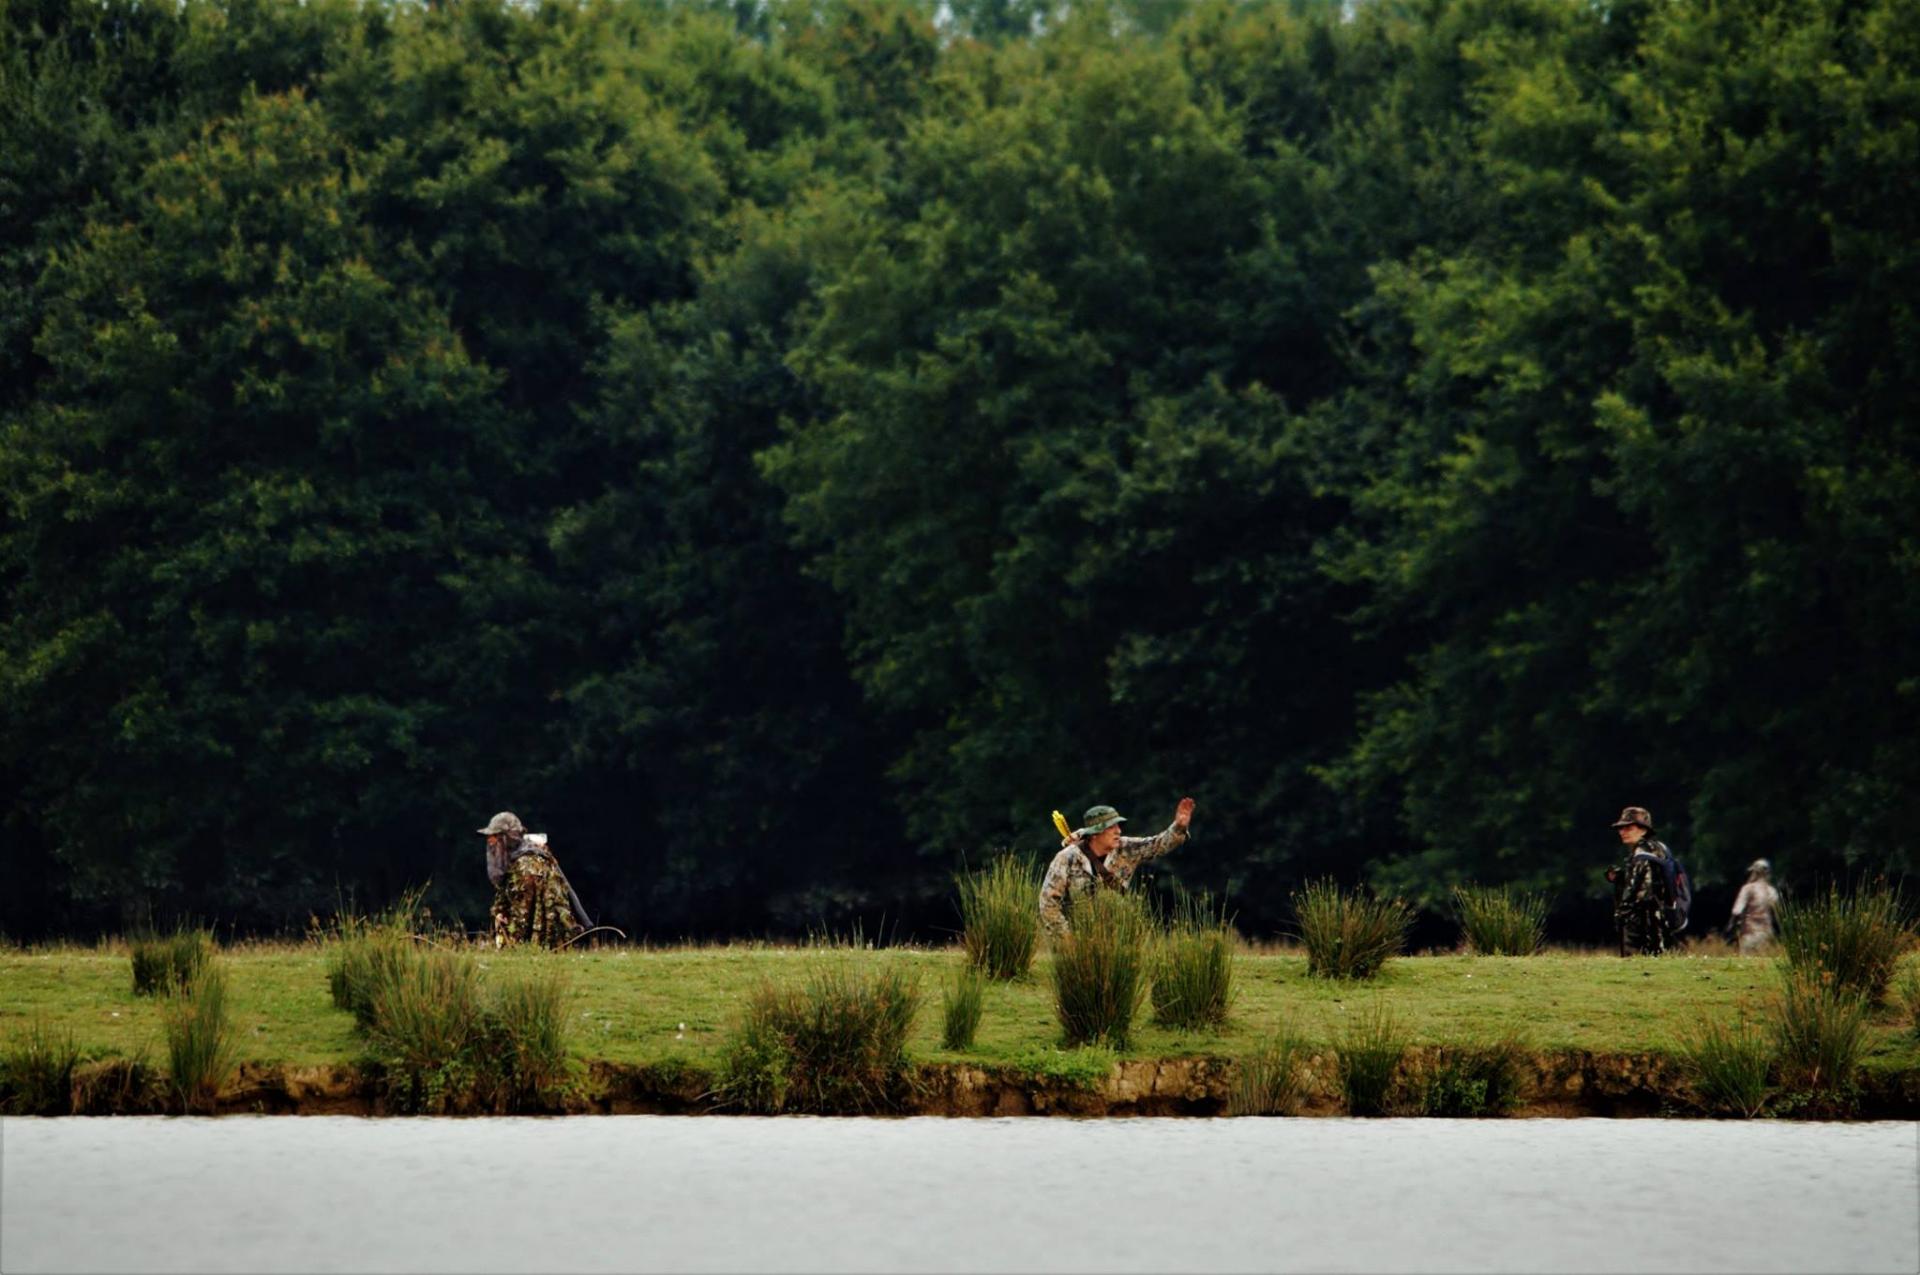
(1651, 891)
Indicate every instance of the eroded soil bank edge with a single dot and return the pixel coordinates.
(1566, 1083)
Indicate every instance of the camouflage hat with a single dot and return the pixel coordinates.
(504, 822)
(1101, 818)
(1636, 815)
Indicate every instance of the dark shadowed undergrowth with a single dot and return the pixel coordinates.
(1100, 970)
(1193, 966)
(1479, 1079)
(1349, 935)
(835, 1044)
(119, 1086)
(1501, 920)
(1000, 916)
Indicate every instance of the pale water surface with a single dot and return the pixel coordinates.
(658, 1193)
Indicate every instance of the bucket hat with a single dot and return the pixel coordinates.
(506, 822)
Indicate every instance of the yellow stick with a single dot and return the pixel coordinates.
(1060, 822)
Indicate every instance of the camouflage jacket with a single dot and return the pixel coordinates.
(1072, 874)
(532, 903)
(1642, 886)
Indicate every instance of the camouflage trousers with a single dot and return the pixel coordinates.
(1643, 931)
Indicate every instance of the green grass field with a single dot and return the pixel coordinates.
(637, 1005)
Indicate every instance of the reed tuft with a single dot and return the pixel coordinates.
(1854, 941)
(834, 1045)
(425, 1021)
(1819, 1035)
(961, 1007)
(363, 952)
(1349, 935)
(202, 1045)
(1100, 970)
(1501, 920)
(1193, 967)
(528, 1037)
(1730, 1065)
(1000, 917)
(1368, 1054)
(164, 963)
(1271, 1079)
(36, 1071)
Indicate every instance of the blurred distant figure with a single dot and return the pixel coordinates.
(1752, 919)
(533, 902)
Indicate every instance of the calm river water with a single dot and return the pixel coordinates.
(659, 1193)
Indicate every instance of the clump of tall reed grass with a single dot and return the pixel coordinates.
(1730, 1064)
(36, 1071)
(1349, 935)
(363, 952)
(1193, 966)
(1910, 996)
(1501, 920)
(1000, 917)
(834, 1045)
(426, 1025)
(961, 1006)
(1100, 970)
(444, 1038)
(1819, 1034)
(202, 1045)
(1271, 1079)
(1482, 1079)
(527, 1034)
(1857, 938)
(164, 963)
(1368, 1054)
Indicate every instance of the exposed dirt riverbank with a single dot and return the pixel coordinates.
(1567, 1083)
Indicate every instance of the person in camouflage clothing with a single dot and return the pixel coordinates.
(1640, 891)
(1095, 856)
(533, 902)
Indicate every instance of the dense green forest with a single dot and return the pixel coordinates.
(784, 450)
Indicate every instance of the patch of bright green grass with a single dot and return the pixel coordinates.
(650, 1006)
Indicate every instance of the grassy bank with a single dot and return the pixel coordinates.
(636, 1006)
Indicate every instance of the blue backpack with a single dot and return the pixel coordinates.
(1679, 889)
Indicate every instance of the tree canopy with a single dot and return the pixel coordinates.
(784, 450)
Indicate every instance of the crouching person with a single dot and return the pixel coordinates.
(1095, 856)
(533, 902)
